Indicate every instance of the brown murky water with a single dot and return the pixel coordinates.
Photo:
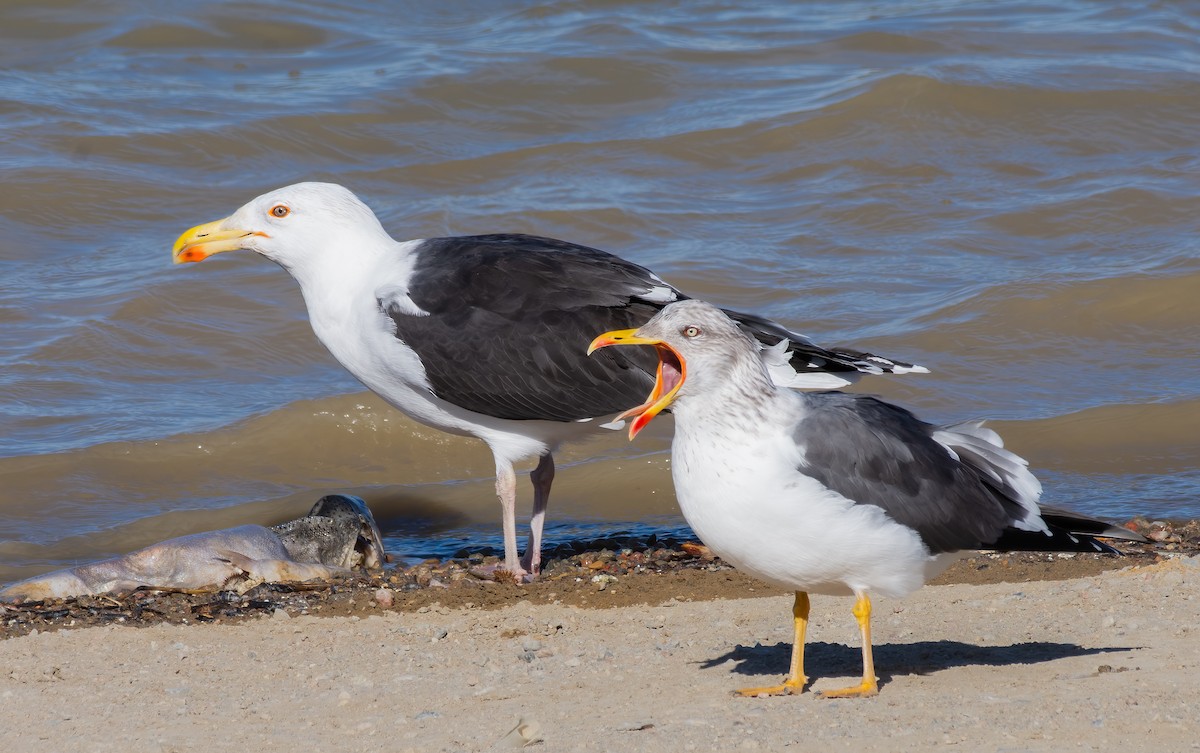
(1003, 192)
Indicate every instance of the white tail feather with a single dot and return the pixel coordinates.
(983, 449)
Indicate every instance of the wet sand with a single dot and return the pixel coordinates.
(599, 573)
(1005, 652)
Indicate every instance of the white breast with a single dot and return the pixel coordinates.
(347, 319)
(742, 496)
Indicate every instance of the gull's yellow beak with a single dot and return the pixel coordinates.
(619, 337)
(672, 371)
(203, 241)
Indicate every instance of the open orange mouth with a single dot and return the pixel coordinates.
(672, 371)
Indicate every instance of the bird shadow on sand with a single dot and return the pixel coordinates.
(896, 659)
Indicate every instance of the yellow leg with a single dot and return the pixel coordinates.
(869, 685)
(796, 679)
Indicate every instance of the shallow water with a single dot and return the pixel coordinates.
(1003, 192)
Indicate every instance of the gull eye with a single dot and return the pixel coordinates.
(692, 331)
(280, 210)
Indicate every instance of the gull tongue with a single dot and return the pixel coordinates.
(667, 380)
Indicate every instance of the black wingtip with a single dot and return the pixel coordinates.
(807, 356)
(1069, 532)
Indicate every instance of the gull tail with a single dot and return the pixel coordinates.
(1033, 527)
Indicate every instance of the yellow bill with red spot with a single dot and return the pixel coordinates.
(202, 241)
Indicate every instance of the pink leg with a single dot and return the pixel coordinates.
(506, 490)
(542, 477)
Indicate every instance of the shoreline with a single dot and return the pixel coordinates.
(1092, 662)
(603, 573)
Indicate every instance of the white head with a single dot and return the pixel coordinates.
(290, 226)
(701, 352)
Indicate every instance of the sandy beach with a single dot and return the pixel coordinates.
(1097, 662)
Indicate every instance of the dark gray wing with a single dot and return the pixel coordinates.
(880, 454)
(510, 319)
(511, 316)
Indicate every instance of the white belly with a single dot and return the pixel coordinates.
(746, 503)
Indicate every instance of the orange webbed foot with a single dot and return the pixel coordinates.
(864, 689)
(789, 687)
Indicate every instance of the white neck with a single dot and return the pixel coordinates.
(741, 391)
(335, 263)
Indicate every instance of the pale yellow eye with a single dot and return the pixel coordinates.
(280, 210)
(691, 331)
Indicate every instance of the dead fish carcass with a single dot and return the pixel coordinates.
(338, 531)
(338, 534)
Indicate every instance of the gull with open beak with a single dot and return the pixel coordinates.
(827, 492)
